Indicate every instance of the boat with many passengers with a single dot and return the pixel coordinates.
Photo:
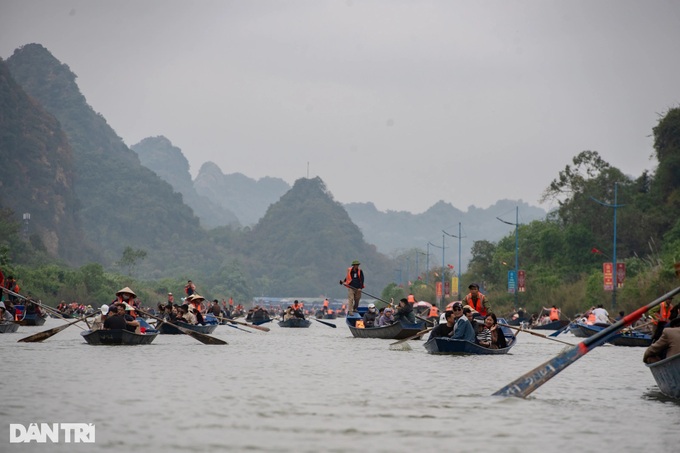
(447, 345)
(295, 322)
(396, 331)
(118, 337)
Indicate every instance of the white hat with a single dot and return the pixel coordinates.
(371, 306)
(2, 305)
(105, 309)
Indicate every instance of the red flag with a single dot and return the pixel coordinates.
(594, 250)
(450, 266)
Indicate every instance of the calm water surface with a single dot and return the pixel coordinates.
(320, 390)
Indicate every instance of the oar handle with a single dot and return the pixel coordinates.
(534, 333)
(419, 334)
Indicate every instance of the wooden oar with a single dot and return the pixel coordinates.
(419, 334)
(519, 329)
(326, 323)
(203, 338)
(425, 320)
(524, 385)
(238, 328)
(252, 326)
(560, 330)
(44, 335)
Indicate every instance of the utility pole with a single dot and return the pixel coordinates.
(615, 206)
(459, 260)
(516, 224)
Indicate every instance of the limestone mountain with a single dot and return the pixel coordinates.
(37, 176)
(246, 197)
(122, 203)
(409, 230)
(167, 161)
(305, 243)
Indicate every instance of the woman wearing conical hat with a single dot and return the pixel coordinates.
(125, 296)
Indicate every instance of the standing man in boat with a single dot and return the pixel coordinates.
(354, 281)
(189, 288)
(476, 300)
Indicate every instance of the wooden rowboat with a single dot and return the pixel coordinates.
(666, 373)
(117, 337)
(553, 325)
(167, 329)
(397, 331)
(295, 322)
(9, 327)
(447, 345)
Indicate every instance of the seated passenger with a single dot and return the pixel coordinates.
(498, 340)
(371, 316)
(288, 314)
(5, 316)
(462, 329)
(386, 318)
(98, 322)
(444, 329)
(185, 315)
(297, 310)
(667, 345)
(405, 312)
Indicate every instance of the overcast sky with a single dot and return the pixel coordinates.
(401, 103)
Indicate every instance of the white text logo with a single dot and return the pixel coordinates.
(55, 432)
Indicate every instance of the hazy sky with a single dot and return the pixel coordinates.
(402, 103)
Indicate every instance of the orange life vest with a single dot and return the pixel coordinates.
(479, 306)
(592, 318)
(554, 314)
(359, 324)
(665, 311)
(434, 312)
(325, 303)
(411, 299)
(348, 279)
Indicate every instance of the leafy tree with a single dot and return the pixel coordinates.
(130, 258)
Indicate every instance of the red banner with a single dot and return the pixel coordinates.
(620, 274)
(447, 288)
(608, 270)
(438, 289)
(521, 281)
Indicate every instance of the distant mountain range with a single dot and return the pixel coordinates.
(91, 197)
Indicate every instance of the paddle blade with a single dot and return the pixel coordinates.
(400, 346)
(203, 338)
(526, 384)
(44, 335)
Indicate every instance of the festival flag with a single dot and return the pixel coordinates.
(594, 250)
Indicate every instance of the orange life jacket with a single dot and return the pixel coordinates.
(325, 303)
(592, 318)
(434, 312)
(359, 324)
(665, 310)
(348, 279)
(554, 314)
(411, 299)
(479, 306)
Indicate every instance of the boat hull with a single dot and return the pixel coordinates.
(449, 346)
(295, 323)
(10, 327)
(167, 329)
(117, 337)
(666, 373)
(397, 331)
(554, 325)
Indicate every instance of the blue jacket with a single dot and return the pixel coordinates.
(463, 330)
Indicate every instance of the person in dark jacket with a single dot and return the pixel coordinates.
(354, 282)
(444, 329)
(371, 316)
(405, 312)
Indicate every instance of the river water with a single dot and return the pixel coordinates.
(321, 390)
